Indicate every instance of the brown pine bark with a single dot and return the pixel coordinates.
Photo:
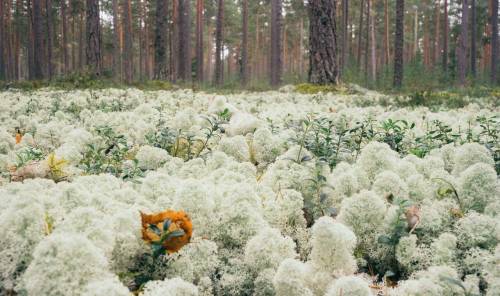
(427, 55)
(445, 37)
(276, 68)
(244, 44)
(373, 50)
(323, 68)
(494, 42)
(160, 44)
(367, 39)
(437, 32)
(184, 53)
(37, 40)
(387, 53)
(174, 41)
(2, 37)
(117, 54)
(127, 34)
(200, 6)
(462, 49)
(93, 38)
(50, 38)
(473, 39)
(64, 37)
(399, 44)
(219, 67)
(345, 28)
(360, 35)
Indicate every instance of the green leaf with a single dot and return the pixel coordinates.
(157, 250)
(384, 239)
(155, 229)
(176, 233)
(166, 224)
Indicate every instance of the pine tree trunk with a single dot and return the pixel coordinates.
(219, 67)
(93, 50)
(387, 53)
(174, 44)
(445, 37)
(127, 50)
(373, 50)
(437, 27)
(244, 44)
(494, 41)
(64, 35)
(367, 39)
(117, 54)
(161, 31)
(276, 42)
(427, 55)
(199, 40)
(462, 50)
(30, 42)
(399, 44)
(360, 35)
(345, 28)
(415, 33)
(473, 39)
(184, 53)
(38, 37)
(2, 37)
(323, 68)
(50, 36)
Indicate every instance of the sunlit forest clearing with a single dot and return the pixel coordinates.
(236, 147)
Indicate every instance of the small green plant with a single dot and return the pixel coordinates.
(393, 132)
(214, 129)
(317, 204)
(28, 155)
(164, 234)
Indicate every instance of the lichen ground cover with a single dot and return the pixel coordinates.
(129, 192)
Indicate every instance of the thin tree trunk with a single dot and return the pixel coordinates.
(38, 36)
(473, 39)
(199, 40)
(2, 37)
(276, 42)
(387, 54)
(437, 27)
(462, 50)
(445, 37)
(427, 61)
(64, 35)
(219, 67)
(161, 31)
(323, 68)
(117, 54)
(494, 41)
(127, 50)
(184, 54)
(374, 50)
(361, 14)
(141, 34)
(93, 50)
(415, 34)
(50, 36)
(174, 41)
(345, 28)
(367, 39)
(30, 42)
(244, 44)
(399, 44)
(301, 47)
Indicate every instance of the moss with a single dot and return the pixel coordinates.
(308, 88)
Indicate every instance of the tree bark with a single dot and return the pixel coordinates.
(244, 44)
(117, 53)
(184, 54)
(494, 42)
(199, 40)
(174, 44)
(345, 28)
(93, 49)
(38, 37)
(127, 51)
(50, 37)
(2, 37)
(64, 35)
(367, 39)
(399, 44)
(323, 68)
(445, 37)
(437, 28)
(219, 67)
(276, 42)
(360, 35)
(387, 54)
(462, 50)
(373, 50)
(473, 39)
(161, 31)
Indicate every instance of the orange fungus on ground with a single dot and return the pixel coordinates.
(179, 221)
(19, 137)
